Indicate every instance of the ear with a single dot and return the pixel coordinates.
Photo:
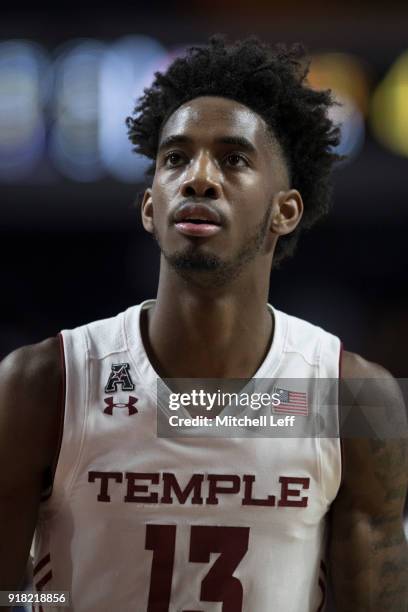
(287, 212)
(147, 211)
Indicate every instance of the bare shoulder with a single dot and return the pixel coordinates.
(375, 395)
(33, 357)
(31, 383)
(355, 366)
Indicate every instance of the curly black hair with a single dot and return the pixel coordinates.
(270, 81)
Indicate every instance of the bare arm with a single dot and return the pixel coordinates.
(30, 401)
(368, 548)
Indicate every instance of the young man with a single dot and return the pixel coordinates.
(242, 152)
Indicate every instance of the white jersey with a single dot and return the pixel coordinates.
(142, 523)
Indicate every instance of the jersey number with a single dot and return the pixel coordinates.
(219, 585)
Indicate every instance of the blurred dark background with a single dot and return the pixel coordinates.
(71, 244)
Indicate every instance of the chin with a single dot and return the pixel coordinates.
(195, 260)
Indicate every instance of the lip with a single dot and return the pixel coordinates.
(208, 220)
(191, 211)
(200, 230)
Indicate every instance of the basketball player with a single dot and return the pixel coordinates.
(129, 521)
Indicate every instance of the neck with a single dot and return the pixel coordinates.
(211, 333)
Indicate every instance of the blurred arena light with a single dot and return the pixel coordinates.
(389, 108)
(79, 124)
(74, 146)
(347, 77)
(23, 92)
(127, 68)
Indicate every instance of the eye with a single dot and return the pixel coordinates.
(173, 159)
(236, 160)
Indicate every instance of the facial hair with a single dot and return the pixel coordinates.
(208, 270)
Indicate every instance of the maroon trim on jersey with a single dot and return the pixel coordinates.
(338, 410)
(42, 562)
(41, 583)
(62, 414)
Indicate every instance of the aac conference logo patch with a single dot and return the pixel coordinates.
(119, 376)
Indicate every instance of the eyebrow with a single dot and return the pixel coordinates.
(239, 141)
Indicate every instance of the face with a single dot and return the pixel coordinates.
(220, 180)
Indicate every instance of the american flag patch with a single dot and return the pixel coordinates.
(291, 402)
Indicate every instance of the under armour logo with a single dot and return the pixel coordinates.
(130, 405)
(119, 376)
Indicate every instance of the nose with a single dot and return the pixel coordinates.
(202, 180)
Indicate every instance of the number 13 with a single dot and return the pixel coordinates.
(219, 585)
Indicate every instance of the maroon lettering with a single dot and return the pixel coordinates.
(103, 495)
(170, 483)
(286, 491)
(249, 500)
(133, 488)
(161, 539)
(172, 492)
(215, 488)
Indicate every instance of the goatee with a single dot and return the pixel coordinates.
(208, 270)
